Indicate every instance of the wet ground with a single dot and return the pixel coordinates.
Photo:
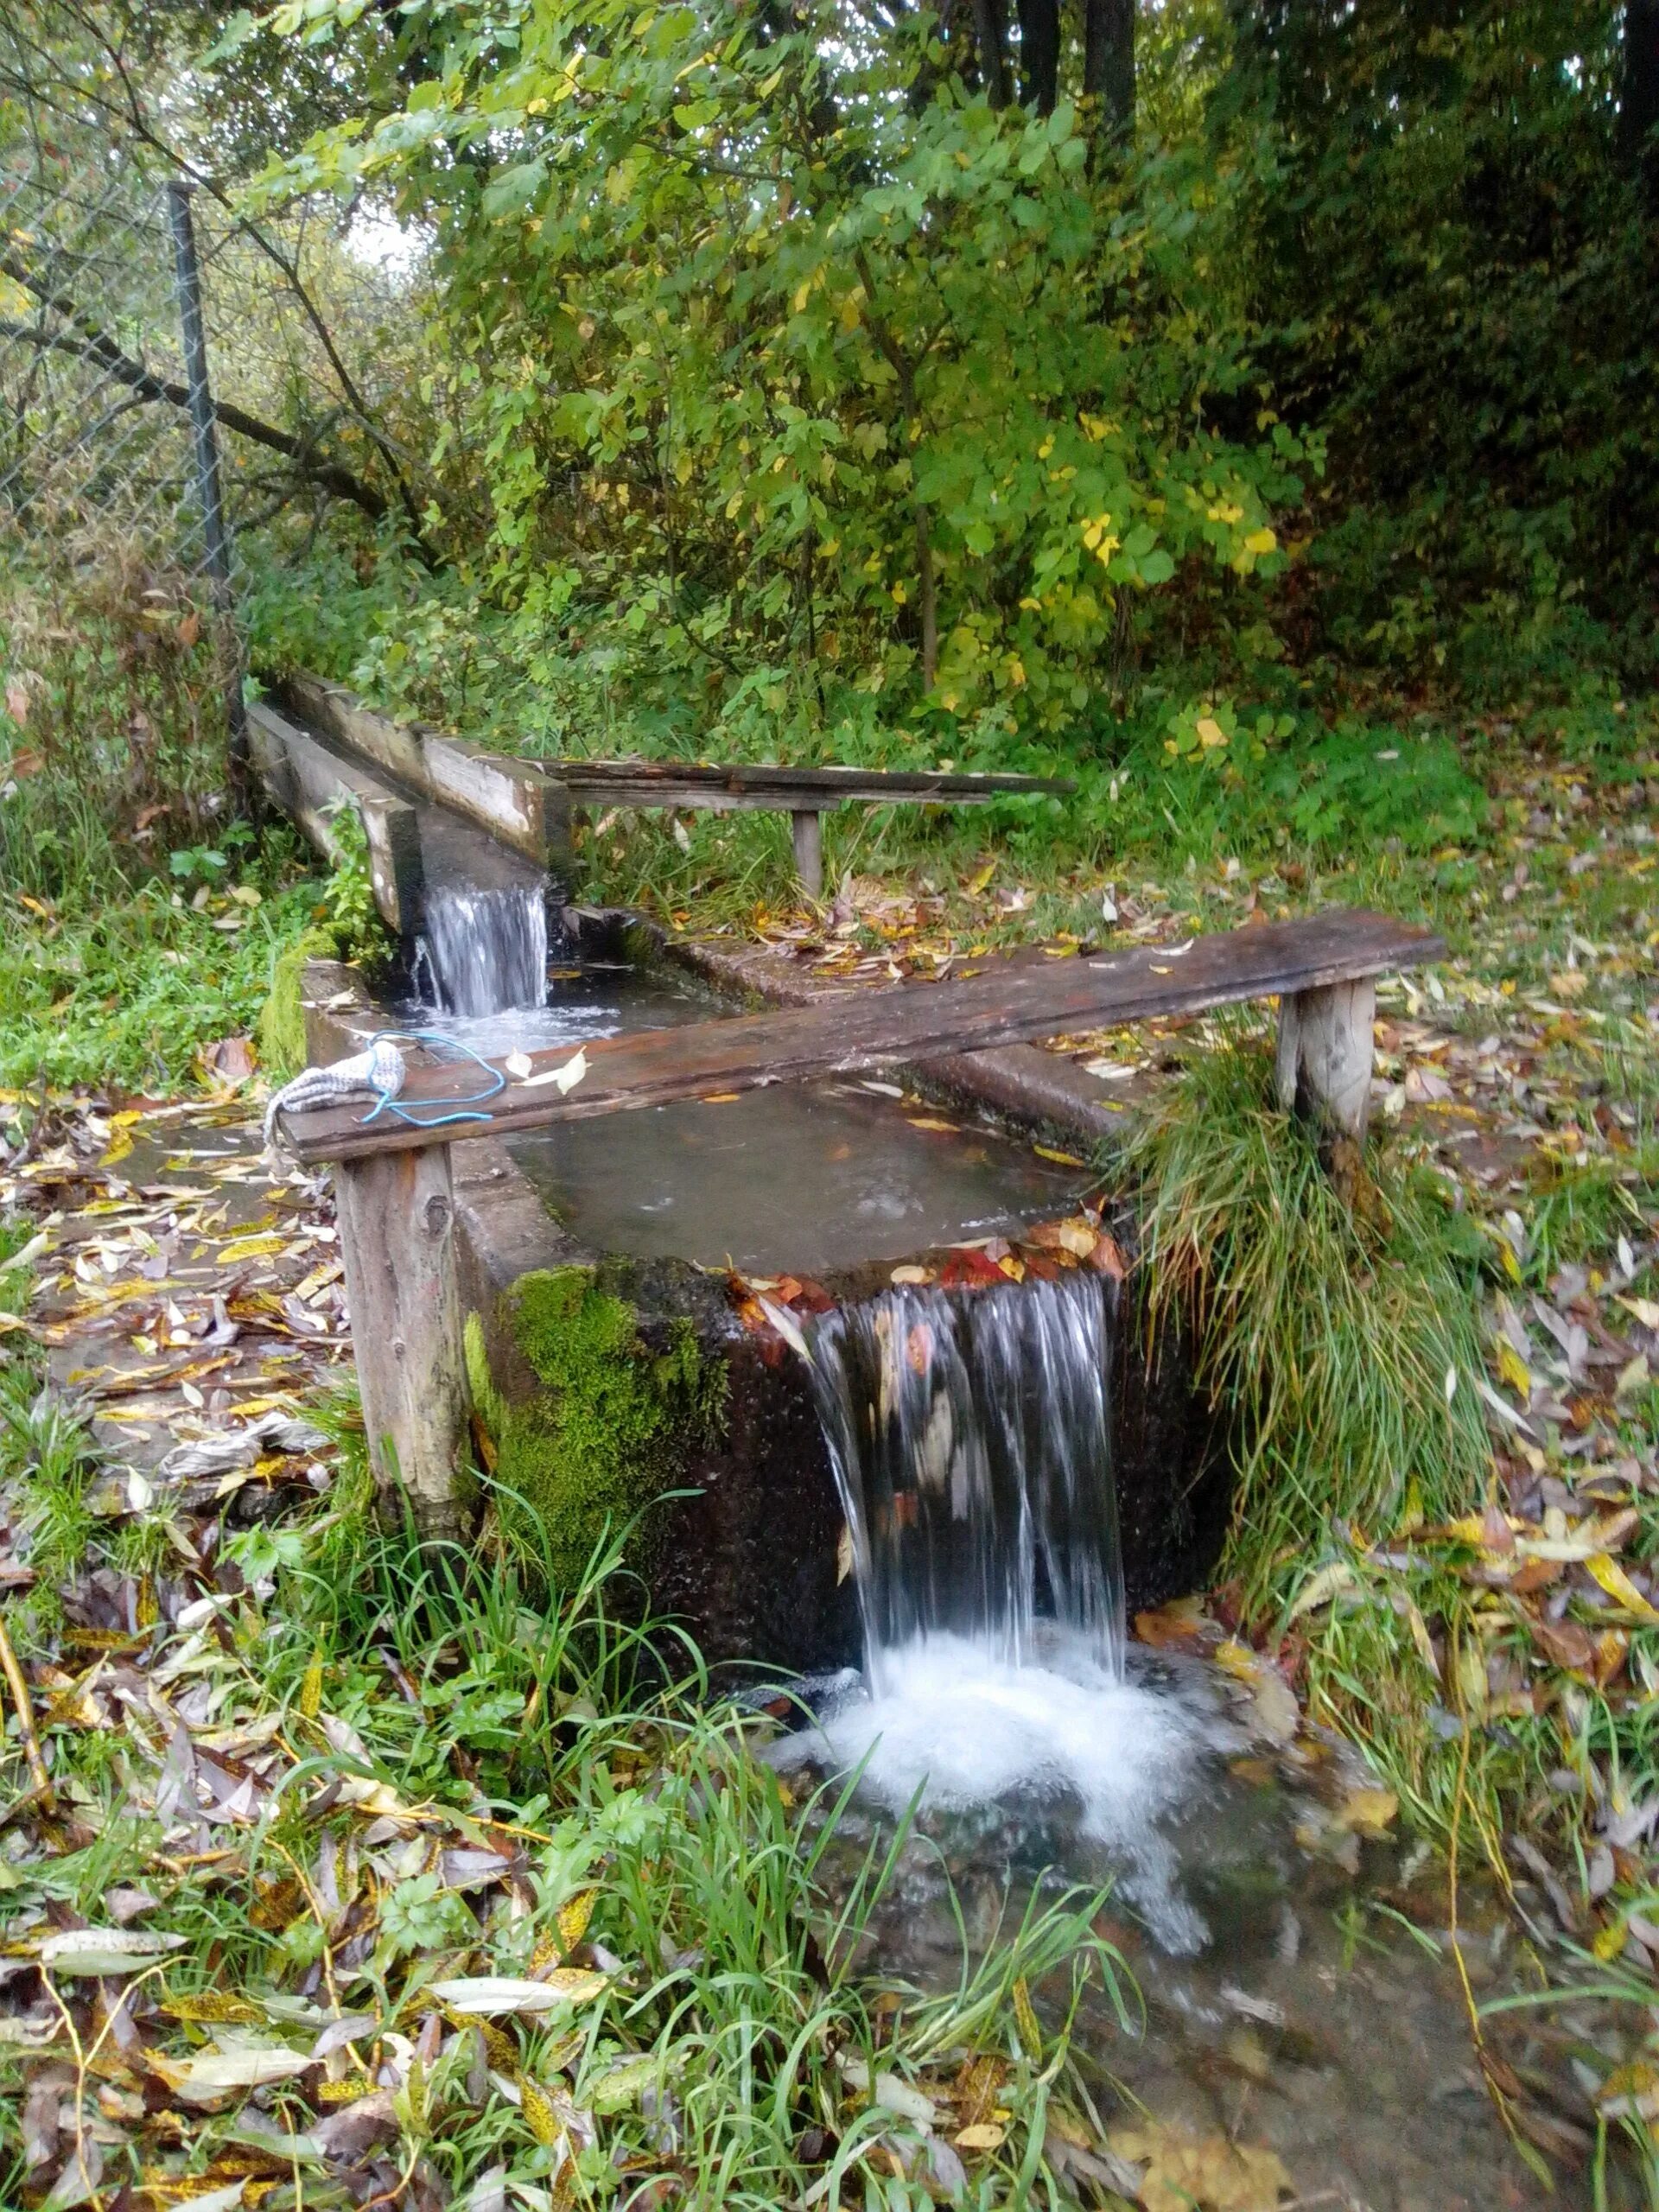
(1289, 1984)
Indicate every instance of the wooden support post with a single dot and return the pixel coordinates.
(1323, 1064)
(809, 850)
(396, 1242)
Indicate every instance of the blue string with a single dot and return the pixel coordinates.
(386, 1103)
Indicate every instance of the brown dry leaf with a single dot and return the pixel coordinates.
(1180, 1623)
(1184, 2170)
(1564, 1642)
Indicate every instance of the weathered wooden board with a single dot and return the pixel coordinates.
(518, 801)
(858, 1031)
(729, 787)
(305, 777)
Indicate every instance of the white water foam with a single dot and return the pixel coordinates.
(961, 1731)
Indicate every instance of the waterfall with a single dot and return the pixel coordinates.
(485, 950)
(969, 1433)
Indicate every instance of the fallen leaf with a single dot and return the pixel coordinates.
(213, 2074)
(1184, 2170)
(1618, 1586)
(490, 1994)
(106, 1950)
(984, 2136)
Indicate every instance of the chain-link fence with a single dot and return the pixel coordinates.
(95, 431)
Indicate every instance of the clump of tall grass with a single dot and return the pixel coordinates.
(1344, 1337)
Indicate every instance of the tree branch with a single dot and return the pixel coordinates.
(331, 475)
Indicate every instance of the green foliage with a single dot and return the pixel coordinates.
(615, 1425)
(129, 989)
(1457, 277)
(773, 355)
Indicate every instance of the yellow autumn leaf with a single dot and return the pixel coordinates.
(574, 1916)
(1186, 2170)
(1609, 1941)
(1618, 1586)
(1031, 2033)
(1210, 732)
(1262, 541)
(1060, 1158)
(311, 1688)
(983, 2137)
(1514, 1369)
(539, 2115)
(250, 1248)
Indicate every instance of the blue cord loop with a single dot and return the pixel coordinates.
(450, 1047)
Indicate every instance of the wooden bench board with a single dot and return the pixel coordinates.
(735, 784)
(857, 1032)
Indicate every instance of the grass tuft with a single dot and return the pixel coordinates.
(1346, 1338)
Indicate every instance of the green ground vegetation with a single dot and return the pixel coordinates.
(706, 2012)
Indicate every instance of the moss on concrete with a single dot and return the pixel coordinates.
(617, 1421)
(279, 1030)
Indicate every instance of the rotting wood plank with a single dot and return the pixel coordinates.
(694, 784)
(857, 1032)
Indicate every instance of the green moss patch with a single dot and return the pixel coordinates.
(279, 1030)
(617, 1422)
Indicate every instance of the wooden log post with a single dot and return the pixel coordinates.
(1324, 1062)
(808, 823)
(396, 1241)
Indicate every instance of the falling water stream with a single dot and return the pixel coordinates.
(999, 1704)
(484, 950)
(969, 1438)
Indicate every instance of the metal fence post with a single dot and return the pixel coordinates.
(204, 425)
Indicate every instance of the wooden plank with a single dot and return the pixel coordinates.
(303, 777)
(858, 1031)
(397, 1243)
(518, 801)
(693, 784)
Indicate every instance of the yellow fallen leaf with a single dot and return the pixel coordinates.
(721, 1097)
(1513, 1371)
(1609, 1941)
(1646, 1310)
(250, 1248)
(1324, 1586)
(1369, 1812)
(925, 1121)
(1060, 1158)
(1030, 2034)
(1185, 2171)
(1618, 1586)
(574, 1916)
(984, 2137)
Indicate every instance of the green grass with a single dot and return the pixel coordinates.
(1335, 1332)
(725, 2054)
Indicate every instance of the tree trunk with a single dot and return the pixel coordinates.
(1040, 53)
(992, 43)
(1109, 61)
(1638, 106)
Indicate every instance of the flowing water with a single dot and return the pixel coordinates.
(484, 952)
(970, 1436)
(1286, 2000)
